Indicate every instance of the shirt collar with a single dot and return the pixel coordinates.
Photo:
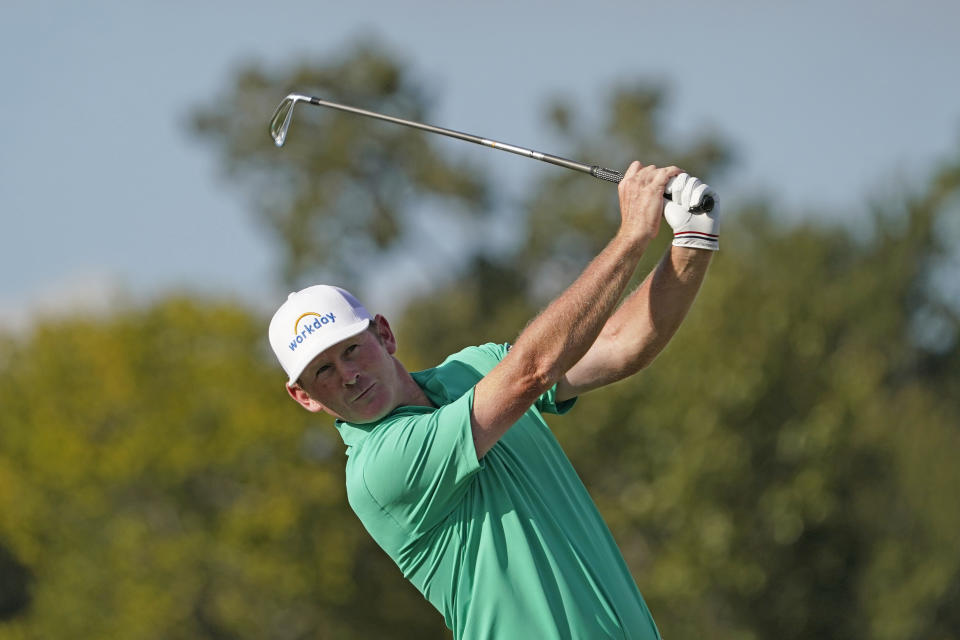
(353, 433)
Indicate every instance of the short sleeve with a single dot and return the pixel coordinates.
(417, 468)
(547, 403)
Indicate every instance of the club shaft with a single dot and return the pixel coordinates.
(602, 173)
(493, 144)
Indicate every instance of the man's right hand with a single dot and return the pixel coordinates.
(641, 200)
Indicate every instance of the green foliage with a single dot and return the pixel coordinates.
(767, 446)
(343, 186)
(157, 482)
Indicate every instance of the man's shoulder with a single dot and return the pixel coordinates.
(459, 371)
(484, 356)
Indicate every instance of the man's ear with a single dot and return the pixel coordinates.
(302, 398)
(386, 334)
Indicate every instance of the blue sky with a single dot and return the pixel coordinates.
(103, 192)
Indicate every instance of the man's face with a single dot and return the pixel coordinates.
(355, 380)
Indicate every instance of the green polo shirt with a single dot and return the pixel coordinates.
(508, 547)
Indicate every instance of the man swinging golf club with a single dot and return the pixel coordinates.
(453, 470)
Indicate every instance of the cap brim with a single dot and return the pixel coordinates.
(308, 356)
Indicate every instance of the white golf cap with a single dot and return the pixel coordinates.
(311, 321)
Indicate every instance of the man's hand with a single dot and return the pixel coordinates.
(696, 230)
(641, 200)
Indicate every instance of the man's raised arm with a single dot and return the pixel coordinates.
(651, 315)
(560, 335)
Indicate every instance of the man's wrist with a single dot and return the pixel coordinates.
(689, 259)
(632, 245)
(697, 240)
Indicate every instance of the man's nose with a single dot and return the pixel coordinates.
(349, 372)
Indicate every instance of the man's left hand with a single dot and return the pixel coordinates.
(699, 230)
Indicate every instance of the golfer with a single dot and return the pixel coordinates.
(453, 470)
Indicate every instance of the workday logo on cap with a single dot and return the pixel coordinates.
(320, 317)
(304, 329)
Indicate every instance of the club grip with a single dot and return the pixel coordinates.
(615, 176)
(606, 174)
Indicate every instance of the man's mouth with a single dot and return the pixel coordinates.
(364, 392)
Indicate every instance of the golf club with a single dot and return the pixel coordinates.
(280, 125)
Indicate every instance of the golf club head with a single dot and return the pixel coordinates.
(280, 122)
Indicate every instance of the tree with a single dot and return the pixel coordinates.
(340, 195)
(157, 483)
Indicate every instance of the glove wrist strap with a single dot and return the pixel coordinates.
(697, 240)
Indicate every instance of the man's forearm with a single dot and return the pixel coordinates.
(651, 315)
(560, 335)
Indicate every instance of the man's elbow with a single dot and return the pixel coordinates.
(625, 360)
(533, 375)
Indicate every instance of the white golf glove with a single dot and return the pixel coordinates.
(698, 230)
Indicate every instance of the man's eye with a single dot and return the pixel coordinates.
(322, 370)
(351, 348)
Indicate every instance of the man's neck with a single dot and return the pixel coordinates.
(411, 392)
